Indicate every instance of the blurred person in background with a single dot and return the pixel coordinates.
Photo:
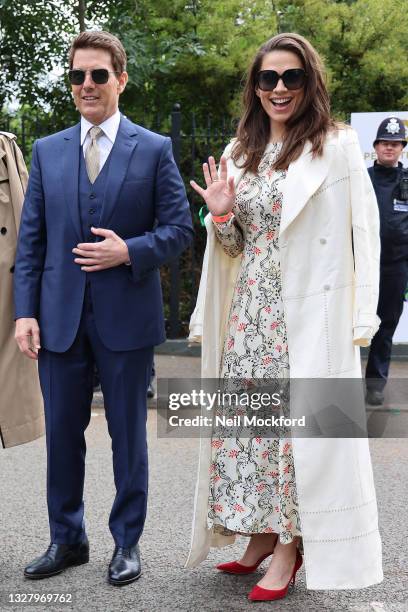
(390, 182)
(21, 405)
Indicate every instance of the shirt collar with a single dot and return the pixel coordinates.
(386, 168)
(110, 127)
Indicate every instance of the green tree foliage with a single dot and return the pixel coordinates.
(29, 48)
(365, 47)
(34, 38)
(195, 52)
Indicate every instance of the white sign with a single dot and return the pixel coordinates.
(366, 126)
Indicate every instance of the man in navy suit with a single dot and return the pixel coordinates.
(105, 207)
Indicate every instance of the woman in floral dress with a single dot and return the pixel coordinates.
(253, 482)
(253, 487)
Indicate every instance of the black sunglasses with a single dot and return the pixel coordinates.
(294, 78)
(100, 76)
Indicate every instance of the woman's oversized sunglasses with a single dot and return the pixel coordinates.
(100, 76)
(294, 78)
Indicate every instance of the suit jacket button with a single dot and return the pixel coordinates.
(3, 231)
(326, 287)
(323, 240)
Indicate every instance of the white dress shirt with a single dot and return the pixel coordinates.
(106, 140)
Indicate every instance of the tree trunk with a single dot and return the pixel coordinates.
(81, 15)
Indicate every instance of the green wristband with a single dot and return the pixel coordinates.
(202, 213)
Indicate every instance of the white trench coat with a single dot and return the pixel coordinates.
(329, 249)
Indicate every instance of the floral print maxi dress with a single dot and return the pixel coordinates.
(252, 485)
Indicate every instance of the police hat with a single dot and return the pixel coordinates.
(391, 128)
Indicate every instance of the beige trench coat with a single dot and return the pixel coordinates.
(330, 298)
(21, 406)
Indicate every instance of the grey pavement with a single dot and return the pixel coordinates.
(165, 585)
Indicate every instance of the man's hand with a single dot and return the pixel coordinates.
(95, 256)
(28, 337)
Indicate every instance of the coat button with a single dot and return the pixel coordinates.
(3, 231)
(92, 210)
(323, 240)
(326, 287)
(92, 196)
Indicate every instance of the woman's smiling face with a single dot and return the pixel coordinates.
(280, 103)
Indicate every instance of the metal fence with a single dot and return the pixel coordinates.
(193, 142)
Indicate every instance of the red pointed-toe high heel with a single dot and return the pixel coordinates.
(260, 594)
(233, 567)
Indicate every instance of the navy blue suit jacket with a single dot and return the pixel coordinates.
(145, 204)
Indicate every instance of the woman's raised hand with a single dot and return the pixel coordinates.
(220, 193)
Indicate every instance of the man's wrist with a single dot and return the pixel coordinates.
(127, 261)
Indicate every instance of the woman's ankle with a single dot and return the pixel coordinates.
(263, 537)
(287, 550)
(259, 544)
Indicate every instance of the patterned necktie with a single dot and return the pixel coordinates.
(92, 153)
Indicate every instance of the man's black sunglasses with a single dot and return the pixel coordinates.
(99, 76)
(294, 78)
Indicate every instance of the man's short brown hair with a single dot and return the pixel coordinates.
(100, 40)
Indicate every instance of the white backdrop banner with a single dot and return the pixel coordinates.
(366, 125)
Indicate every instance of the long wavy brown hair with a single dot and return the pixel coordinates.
(310, 121)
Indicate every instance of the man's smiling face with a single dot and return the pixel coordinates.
(388, 152)
(97, 102)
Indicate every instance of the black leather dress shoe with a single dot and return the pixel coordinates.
(125, 566)
(374, 397)
(57, 558)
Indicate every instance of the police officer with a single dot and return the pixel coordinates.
(390, 181)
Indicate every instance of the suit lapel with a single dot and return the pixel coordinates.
(125, 143)
(70, 175)
(304, 177)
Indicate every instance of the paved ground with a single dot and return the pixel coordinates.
(165, 586)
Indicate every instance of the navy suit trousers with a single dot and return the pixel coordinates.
(67, 385)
